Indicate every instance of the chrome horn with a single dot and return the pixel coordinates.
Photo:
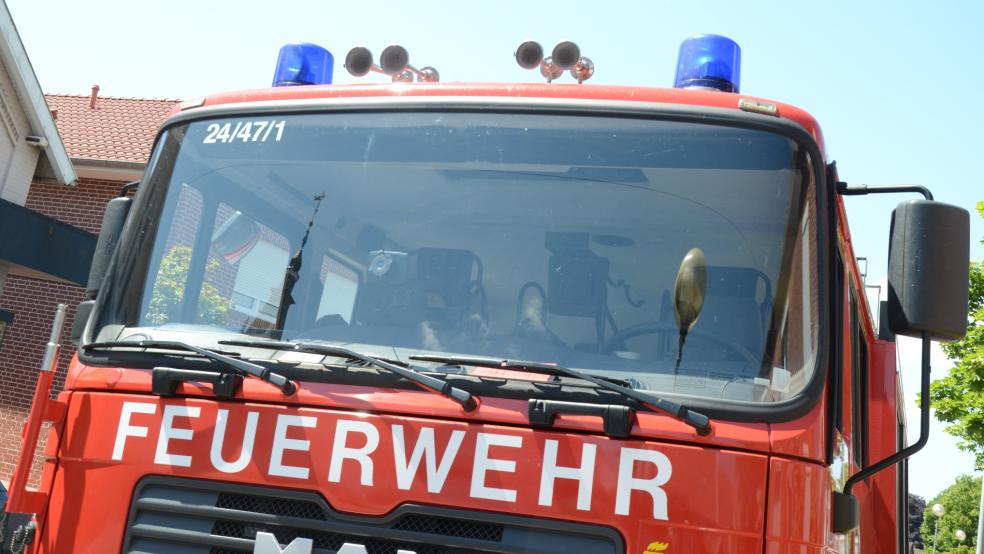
(358, 62)
(529, 54)
(583, 69)
(565, 56)
(394, 61)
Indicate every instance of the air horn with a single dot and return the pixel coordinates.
(394, 61)
(565, 56)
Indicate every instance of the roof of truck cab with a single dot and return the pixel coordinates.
(581, 93)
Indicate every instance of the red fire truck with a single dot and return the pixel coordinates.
(433, 318)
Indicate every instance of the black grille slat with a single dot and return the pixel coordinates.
(450, 527)
(272, 506)
(172, 515)
(326, 541)
(309, 510)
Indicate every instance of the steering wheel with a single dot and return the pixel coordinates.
(660, 327)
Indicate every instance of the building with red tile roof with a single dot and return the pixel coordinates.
(106, 133)
(108, 141)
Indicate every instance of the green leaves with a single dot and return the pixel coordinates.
(168, 294)
(959, 397)
(961, 500)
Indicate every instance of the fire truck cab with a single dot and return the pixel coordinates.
(428, 317)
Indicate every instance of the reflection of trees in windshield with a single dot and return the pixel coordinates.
(166, 299)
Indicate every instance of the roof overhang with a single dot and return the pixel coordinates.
(108, 170)
(55, 163)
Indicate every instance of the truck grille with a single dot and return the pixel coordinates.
(185, 516)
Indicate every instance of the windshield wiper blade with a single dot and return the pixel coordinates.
(700, 422)
(286, 386)
(426, 382)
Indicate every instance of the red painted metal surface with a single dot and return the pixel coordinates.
(598, 93)
(32, 429)
(725, 434)
(649, 491)
(803, 437)
(878, 519)
(798, 509)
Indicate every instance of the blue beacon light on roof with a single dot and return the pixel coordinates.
(710, 62)
(303, 63)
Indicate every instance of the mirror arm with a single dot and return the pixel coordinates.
(125, 189)
(923, 426)
(845, 190)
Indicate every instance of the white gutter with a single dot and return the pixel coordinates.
(108, 170)
(25, 81)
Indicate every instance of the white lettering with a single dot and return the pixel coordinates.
(245, 455)
(267, 543)
(340, 452)
(407, 469)
(484, 464)
(282, 443)
(584, 475)
(125, 430)
(627, 483)
(169, 432)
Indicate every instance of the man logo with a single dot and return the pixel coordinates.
(266, 543)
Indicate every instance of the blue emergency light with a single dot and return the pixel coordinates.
(709, 61)
(303, 63)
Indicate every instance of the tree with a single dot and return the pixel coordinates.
(917, 506)
(959, 397)
(168, 293)
(961, 500)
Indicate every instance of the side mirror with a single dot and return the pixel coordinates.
(109, 236)
(928, 270)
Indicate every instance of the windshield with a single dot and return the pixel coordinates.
(547, 238)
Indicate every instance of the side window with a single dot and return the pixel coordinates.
(859, 385)
(835, 391)
(863, 394)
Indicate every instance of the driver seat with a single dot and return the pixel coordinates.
(736, 306)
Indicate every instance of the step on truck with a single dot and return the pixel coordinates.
(420, 317)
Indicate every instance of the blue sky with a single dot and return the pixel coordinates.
(895, 86)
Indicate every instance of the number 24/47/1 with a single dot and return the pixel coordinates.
(244, 131)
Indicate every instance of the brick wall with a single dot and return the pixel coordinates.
(33, 303)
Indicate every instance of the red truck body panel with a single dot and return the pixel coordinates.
(356, 459)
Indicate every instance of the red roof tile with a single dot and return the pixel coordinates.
(120, 129)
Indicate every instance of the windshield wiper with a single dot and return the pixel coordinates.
(286, 386)
(697, 420)
(426, 382)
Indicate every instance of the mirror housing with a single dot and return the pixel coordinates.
(928, 270)
(109, 236)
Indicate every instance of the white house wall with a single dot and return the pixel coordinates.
(18, 159)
